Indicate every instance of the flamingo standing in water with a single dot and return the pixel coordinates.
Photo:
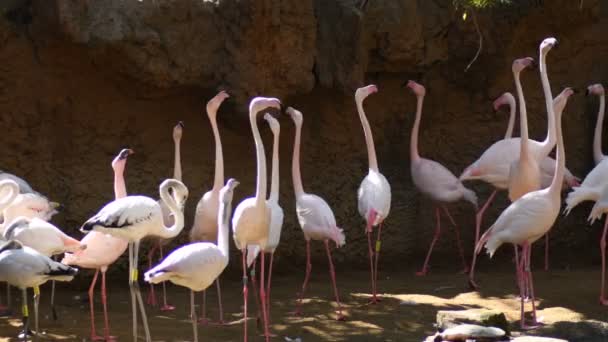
(594, 186)
(133, 218)
(250, 224)
(435, 181)
(532, 215)
(374, 194)
(167, 218)
(103, 250)
(205, 227)
(197, 265)
(315, 217)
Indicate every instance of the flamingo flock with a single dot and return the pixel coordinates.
(534, 182)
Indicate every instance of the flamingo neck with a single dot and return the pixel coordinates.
(218, 180)
(260, 192)
(369, 138)
(120, 189)
(557, 182)
(523, 118)
(414, 156)
(178, 215)
(295, 163)
(177, 164)
(274, 177)
(597, 137)
(509, 132)
(6, 201)
(549, 142)
(222, 221)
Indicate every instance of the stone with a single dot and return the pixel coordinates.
(490, 318)
(471, 331)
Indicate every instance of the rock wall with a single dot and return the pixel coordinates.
(80, 79)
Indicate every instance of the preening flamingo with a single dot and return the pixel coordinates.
(38, 205)
(133, 218)
(276, 212)
(594, 186)
(205, 226)
(9, 189)
(315, 217)
(250, 224)
(24, 267)
(197, 265)
(167, 218)
(435, 181)
(532, 215)
(102, 250)
(374, 194)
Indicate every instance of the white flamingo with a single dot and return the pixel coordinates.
(316, 218)
(197, 265)
(133, 218)
(250, 224)
(374, 194)
(9, 189)
(102, 250)
(531, 216)
(205, 227)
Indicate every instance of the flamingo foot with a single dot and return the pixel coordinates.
(151, 299)
(100, 338)
(21, 334)
(532, 326)
(421, 273)
(466, 270)
(374, 300)
(167, 307)
(603, 301)
(269, 335)
(473, 285)
(203, 321)
(296, 313)
(340, 317)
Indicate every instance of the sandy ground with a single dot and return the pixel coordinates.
(407, 312)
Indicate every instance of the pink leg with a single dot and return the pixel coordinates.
(603, 299)
(263, 300)
(151, 300)
(478, 221)
(520, 276)
(517, 273)
(547, 251)
(94, 336)
(459, 243)
(219, 299)
(255, 288)
(165, 307)
(424, 269)
(203, 320)
(104, 301)
(368, 230)
(332, 273)
(376, 263)
(245, 291)
(268, 283)
(298, 311)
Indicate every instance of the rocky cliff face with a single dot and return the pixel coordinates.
(80, 79)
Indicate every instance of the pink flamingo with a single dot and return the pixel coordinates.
(435, 181)
(103, 250)
(315, 217)
(374, 194)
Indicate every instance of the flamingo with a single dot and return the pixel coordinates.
(24, 267)
(374, 194)
(251, 220)
(167, 218)
(10, 186)
(276, 212)
(134, 217)
(43, 208)
(435, 181)
(205, 218)
(531, 216)
(102, 250)
(315, 217)
(594, 185)
(198, 264)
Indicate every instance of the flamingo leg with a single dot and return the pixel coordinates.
(151, 299)
(603, 300)
(517, 273)
(245, 291)
(193, 317)
(104, 302)
(140, 301)
(132, 279)
(531, 285)
(263, 299)
(53, 309)
(4, 310)
(36, 304)
(521, 276)
(94, 336)
(368, 230)
(298, 311)
(26, 318)
(255, 289)
(378, 245)
(547, 252)
(458, 241)
(424, 269)
(332, 273)
(165, 307)
(478, 221)
(268, 284)
(203, 320)
(219, 300)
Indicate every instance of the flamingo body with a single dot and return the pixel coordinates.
(41, 236)
(374, 193)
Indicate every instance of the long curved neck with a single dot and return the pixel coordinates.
(557, 182)
(295, 163)
(274, 177)
(523, 117)
(260, 192)
(369, 138)
(120, 189)
(6, 201)
(222, 222)
(597, 137)
(509, 132)
(178, 215)
(549, 141)
(414, 137)
(177, 164)
(218, 181)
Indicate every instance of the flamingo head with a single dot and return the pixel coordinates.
(522, 63)
(259, 103)
(121, 159)
(273, 123)
(296, 115)
(228, 190)
(364, 92)
(595, 89)
(214, 104)
(547, 44)
(504, 99)
(32, 205)
(417, 88)
(178, 130)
